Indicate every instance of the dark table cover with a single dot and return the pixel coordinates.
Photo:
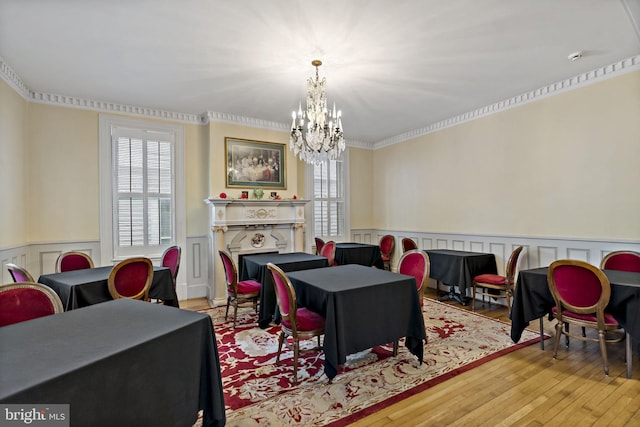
(359, 253)
(458, 268)
(119, 363)
(533, 300)
(255, 267)
(363, 307)
(81, 288)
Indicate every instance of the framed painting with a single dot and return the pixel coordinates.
(255, 164)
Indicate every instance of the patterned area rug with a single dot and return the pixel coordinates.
(257, 392)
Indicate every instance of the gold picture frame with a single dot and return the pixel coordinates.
(255, 164)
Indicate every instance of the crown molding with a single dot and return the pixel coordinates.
(602, 73)
(112, 107)
(11, 77)
(213, 116)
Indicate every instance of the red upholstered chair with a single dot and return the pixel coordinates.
(238, 293)
(319, 245)
(387, 245)
(329, 252)
(26, 301)
(408, 244)
(19, 274)
(171, 260)
(416, 263)
(131, 278)
(297, 322)
(494, 282)
(581, 293)
(73, 260)
(622, 260)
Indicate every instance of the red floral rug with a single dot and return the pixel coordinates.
(257, 392)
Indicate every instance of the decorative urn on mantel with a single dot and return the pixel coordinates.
(246, 226)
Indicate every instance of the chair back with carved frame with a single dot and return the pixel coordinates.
(131, 278)
(27, 300)
(622, 261)
(73, 260)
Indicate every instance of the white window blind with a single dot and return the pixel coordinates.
(143, 190)
(329, 199)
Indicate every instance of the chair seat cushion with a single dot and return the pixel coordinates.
(608, 318)
(492, 279)
(307, 320)
(248, 286)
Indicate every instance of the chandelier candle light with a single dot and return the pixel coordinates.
(316, 133)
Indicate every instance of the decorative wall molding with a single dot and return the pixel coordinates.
(602, 73)
(605, 72)
(11, 77)
(537, 251)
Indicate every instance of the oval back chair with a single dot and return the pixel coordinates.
(296, 322)
(387, 245)
(19, 274)
(73, 260)
(171, 260)
(319, 245)
(241, 293)
(622, 261)
(581, 293)
(492, 284)
(27, 300)
(408, 244)
(329, 252)
(131, 278)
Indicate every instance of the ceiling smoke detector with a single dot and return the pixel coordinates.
(575, 56)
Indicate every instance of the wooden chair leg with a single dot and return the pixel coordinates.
(280, 343)
(226, 313)
(603, 350)
(395, 348)
(473, 298)
(296, 349)
(556, 339)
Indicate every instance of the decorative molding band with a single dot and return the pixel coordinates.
(608, 71)
(213, 116)
(11, 77)
(112, 107)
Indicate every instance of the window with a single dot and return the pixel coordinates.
(329, 207)
(140, 174)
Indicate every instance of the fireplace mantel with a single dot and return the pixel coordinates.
(245, 226)
(229, 212)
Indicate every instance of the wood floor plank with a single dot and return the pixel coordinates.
(524, 388)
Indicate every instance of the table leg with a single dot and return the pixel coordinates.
(452, 295)
(628, 354)
(542, 333)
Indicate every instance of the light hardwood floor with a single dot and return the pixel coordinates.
(524, 388)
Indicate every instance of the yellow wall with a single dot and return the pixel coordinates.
(360, 188)
(13, 166)
(563, 166)
(63, 184)
(196, 169)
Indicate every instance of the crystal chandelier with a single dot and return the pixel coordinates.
(316, 133)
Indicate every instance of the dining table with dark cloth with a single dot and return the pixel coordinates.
(118, 363)
(458, 268)
(359, 253)
(255, 267)
(363, 307)
(81, 288)
(533, 300)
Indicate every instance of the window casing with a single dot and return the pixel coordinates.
(142, 188)
(327, 185)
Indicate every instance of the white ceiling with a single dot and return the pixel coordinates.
(392, 66)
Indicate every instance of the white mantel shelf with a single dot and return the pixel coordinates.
(247, 212)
